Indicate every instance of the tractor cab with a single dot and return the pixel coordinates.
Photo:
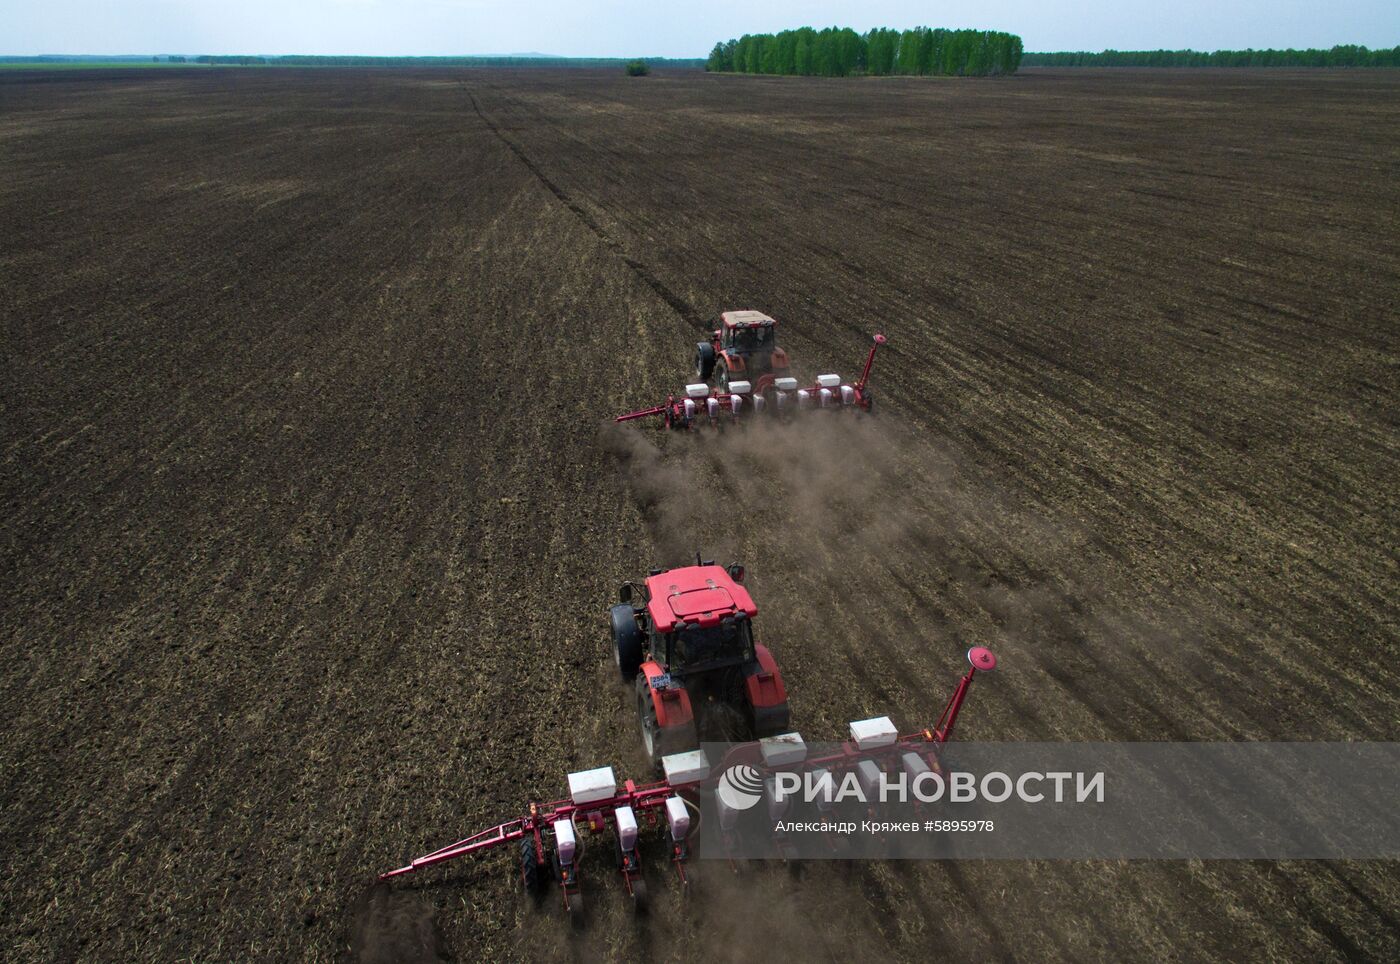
(746, 331)
(744, 348)
(700, 618)
(687, 647)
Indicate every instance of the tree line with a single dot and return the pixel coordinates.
(840, 52)
(317, 60)
(1346, 55)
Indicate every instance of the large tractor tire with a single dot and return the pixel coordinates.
(704, 361)
(771, 720)
(768, 720)
(627, 641)
(651, 730)
(656, 741)
(730, 720)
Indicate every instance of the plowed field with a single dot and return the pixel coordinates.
(313, 510)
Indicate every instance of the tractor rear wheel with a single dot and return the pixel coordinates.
(657, 741)
(627, 640)
(646, 716)
(771, 720)
(704, 361)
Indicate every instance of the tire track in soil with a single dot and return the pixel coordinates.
(678, 304)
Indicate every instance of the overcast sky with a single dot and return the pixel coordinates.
(618, 28)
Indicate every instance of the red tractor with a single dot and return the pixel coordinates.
(687, 646)
(744, 348)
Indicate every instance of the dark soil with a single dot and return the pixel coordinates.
(312, 511)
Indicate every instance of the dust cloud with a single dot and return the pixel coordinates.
(860, 532)
(850, 494)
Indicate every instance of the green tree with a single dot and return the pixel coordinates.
(840, 52)
(977, 59)
(802, 59)
(759, 43)
(741, 53)
(721, 57)
(1344, 55)
(880, 47)
(907, 56)
(786, 57)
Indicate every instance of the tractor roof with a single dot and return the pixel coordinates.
(746, 319)
(695, 594)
